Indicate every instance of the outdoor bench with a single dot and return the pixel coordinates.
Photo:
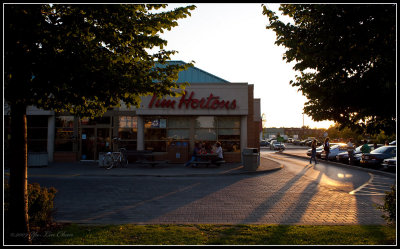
(207, 163)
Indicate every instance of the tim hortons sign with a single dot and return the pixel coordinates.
(211, 102)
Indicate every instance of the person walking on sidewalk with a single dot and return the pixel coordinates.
(313, 151)
(326, 147)
(350, 151)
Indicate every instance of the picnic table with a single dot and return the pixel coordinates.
(207, 159)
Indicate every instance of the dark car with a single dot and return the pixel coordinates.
(305, 141)
(264, 143)
(343, 157)
(309, 142)
(376, 157)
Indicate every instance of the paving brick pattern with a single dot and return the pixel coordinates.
(278, 197)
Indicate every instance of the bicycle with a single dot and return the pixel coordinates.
(116, 159)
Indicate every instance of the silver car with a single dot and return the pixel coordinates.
(333, 151)
(390, 163)
(275, 145)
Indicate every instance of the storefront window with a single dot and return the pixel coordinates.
(128, 122)
(228, 122)
(155, 134)
(205, 134)
(65, 121)
(205, 128)
(229, 133)
(230, 146)
(64, 140)
(127, 132)
(179, 122)
(96, 121)
(127, 128)
(178, 134)
(205, 122)
(178, 128)
(37, 133)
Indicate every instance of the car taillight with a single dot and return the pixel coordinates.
(369, 157)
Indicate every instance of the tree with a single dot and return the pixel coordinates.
(82, 59)
(346, 56)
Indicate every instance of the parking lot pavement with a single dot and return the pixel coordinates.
(302, 153)
(86, 194)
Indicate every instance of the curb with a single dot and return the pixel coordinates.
(155, 174)
(377, 172)
(191, 174)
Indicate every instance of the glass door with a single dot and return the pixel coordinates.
(88, 138)
(95, 140)
(103, 142)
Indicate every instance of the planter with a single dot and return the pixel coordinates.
(38, 159)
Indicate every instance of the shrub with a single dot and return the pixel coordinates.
(389, 206)
(40, 203)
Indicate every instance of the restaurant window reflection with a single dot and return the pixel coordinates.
(155, 134)
(127, 132)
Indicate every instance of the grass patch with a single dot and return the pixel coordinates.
(74, 234)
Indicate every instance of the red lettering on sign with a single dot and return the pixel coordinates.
(165, 103)
(211, 102)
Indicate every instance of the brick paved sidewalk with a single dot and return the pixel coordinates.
(93, 169)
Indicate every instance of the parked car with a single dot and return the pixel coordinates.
(308, 143)
(357, 157)
(296, 142)
(343, 157)
(275, 145)
(376, 157)
(304, 142)
(333, 151)
(271, 143)
(393, 142)
(318, 149)
(290, 140)
(264, 143)
(390, 163)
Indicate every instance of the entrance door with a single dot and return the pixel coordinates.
(95, 140)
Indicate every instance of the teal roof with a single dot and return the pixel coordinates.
(196, 75)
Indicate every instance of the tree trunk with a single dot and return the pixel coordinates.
(18, 220)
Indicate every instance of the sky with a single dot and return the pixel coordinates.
(230, 40)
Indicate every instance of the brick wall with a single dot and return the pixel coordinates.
(232, 157)
(253, 127)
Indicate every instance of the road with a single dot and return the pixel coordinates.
(299, 193)
(351, 180)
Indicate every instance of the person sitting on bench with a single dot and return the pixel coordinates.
(218, 151)
(196, 152)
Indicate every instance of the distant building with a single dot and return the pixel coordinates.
(302, 133)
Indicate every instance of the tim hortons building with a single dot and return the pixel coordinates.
(212, 109)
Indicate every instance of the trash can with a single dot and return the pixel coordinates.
(251, 159)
